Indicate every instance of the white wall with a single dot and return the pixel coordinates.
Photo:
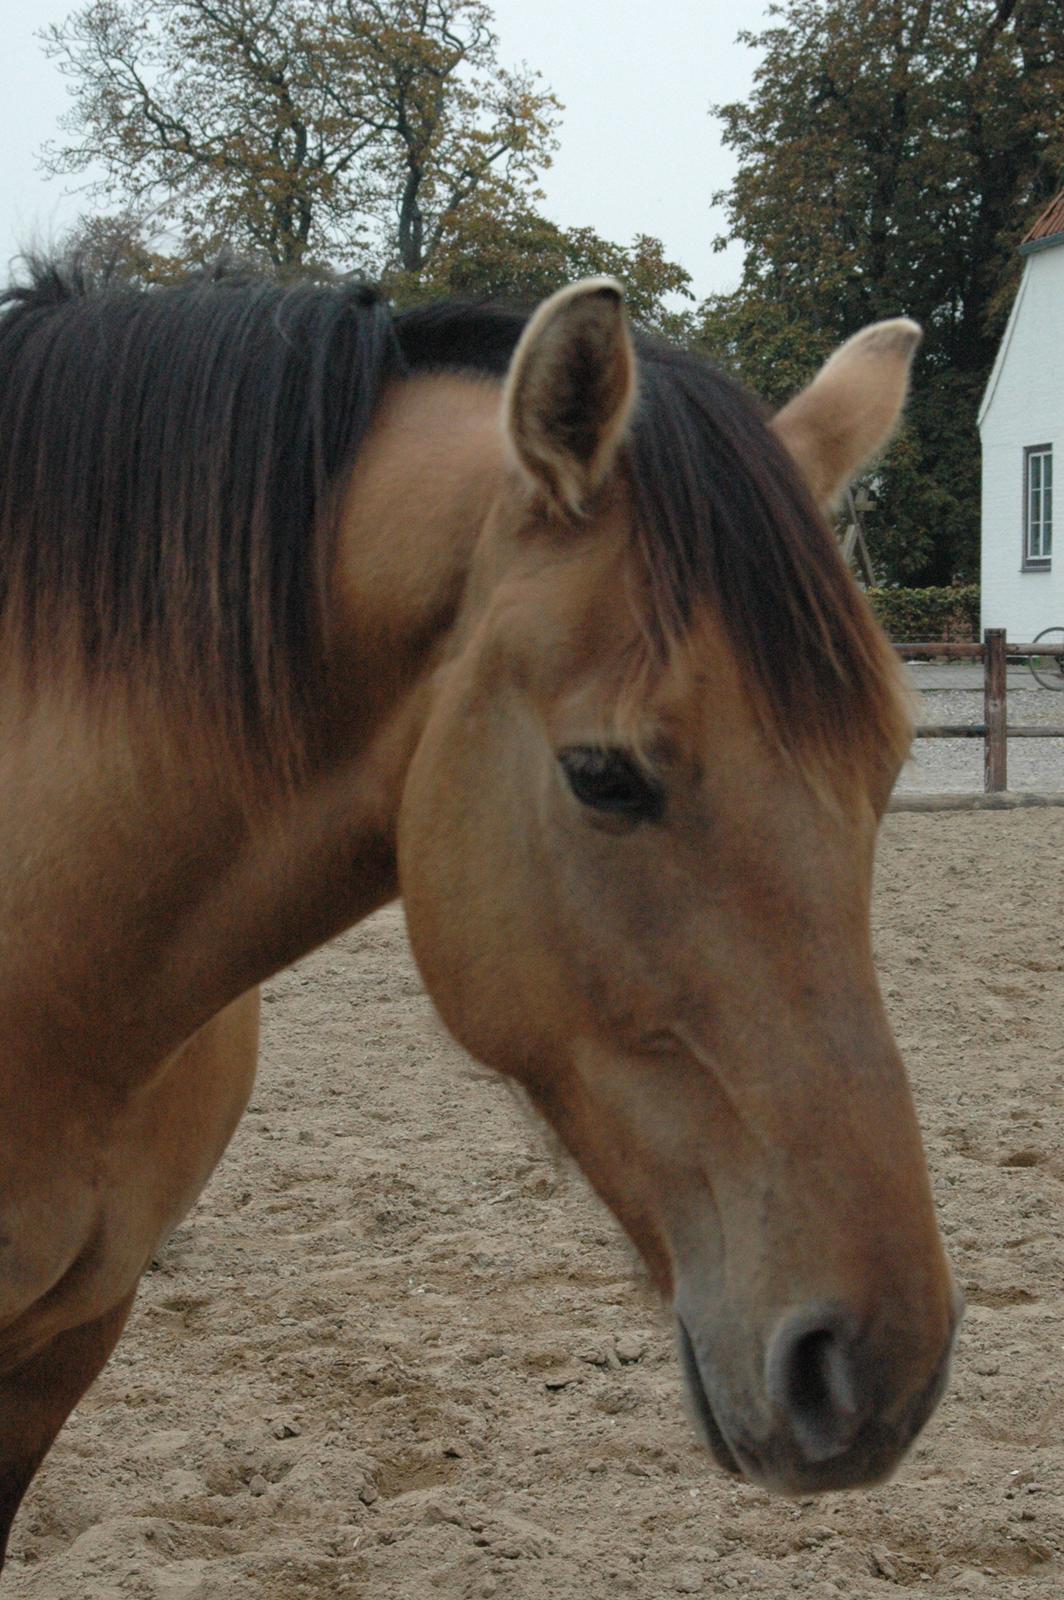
(1024, 405)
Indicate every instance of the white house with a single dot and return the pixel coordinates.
(1021, 422)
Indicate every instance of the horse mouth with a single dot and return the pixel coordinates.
(781, 1469)
(705, 1418)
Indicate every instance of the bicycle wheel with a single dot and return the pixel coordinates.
(1048, 670)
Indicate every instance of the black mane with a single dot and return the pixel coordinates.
(171, 461)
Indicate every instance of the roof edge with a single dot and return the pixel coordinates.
(1002, 352)
(1030, 246)
(1048, 225)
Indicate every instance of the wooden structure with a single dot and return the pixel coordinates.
(851, 536)
(994, 730)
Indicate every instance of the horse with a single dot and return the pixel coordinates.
(535, 622)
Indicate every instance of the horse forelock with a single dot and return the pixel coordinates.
(723, 520)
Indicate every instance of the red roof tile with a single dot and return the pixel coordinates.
(1050, 223)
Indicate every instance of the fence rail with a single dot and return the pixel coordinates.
(995, 729)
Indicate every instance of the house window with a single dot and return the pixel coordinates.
(1037, 505)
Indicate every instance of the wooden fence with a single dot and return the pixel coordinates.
(995, 729)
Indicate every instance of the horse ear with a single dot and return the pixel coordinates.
(851, 408)
(570, 391)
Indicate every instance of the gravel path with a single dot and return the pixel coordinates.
(954, 694)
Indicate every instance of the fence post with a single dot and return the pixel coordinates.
(995, 712)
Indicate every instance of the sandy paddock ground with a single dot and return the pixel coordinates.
(397, 1352)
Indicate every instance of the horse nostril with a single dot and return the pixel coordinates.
(811, 1378)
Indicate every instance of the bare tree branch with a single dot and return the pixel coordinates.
(299, 127)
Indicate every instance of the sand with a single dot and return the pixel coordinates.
(396, 1351)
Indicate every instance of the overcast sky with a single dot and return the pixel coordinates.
(639, 151)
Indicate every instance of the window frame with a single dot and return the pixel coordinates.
(1042, 562)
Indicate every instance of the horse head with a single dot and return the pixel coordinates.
(636, 851)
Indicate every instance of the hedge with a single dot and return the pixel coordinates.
(913, 614)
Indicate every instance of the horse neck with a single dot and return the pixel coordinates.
(183, 895)
(325, 855)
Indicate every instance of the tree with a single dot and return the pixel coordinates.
(310, 136)
(523, 257)
(300, 131)
(461, 128)
(120, 245)
(891, 157)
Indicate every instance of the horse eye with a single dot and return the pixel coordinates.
(611, 781)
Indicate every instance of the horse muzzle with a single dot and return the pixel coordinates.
(827, 1416)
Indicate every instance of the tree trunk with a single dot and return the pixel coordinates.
(411, 224)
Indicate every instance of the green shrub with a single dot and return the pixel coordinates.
(918, 614)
